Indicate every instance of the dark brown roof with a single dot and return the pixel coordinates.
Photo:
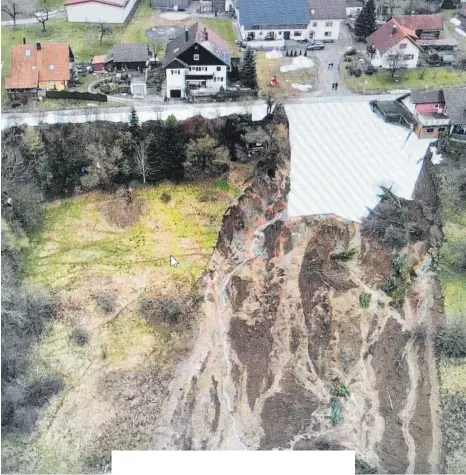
(427, 97)
(389, 35)
(462, 12)
(327, 9)
(455, 99)
(215, 44)
(421, 22)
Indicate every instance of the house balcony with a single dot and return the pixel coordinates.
(458, 137)
(432, 120)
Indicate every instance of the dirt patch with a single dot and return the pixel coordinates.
(295, 337)
(252, 344)
(392, 383)
(216, 403)
(375, 261)
(350, 342)
(232, 222)
(318, 444)
(421, 424)
(240, 291)
(271, 236)
(318, 275)
(286, 414)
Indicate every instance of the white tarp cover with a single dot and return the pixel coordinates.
(274, 54)
(300, 62)
(341, 153)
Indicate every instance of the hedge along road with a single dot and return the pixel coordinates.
(258, 109)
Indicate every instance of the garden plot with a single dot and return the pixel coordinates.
(293, 74)
(341, 153)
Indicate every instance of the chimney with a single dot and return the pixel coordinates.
(394, 29)
(24, 40)
(38, 46)
(206, 35)
(186, 35)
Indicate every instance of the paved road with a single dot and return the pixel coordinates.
(181, 111)
(55, 15)
(333, 52)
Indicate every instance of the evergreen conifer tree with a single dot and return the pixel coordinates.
(172, 150)
(157, 159)
(365, 22)
(134, 126)
(248, 73)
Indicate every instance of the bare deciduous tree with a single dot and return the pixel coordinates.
(104, 30)
(391, 4)
(395, 63)
(141, 158)
(42, 16)
(13, 10)
(157, 48)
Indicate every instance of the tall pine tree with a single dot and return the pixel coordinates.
(365, 22)
(248, 72)
(134, 126)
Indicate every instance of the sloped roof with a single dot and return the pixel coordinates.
(354, 3)
(273, 12)
(31, 66)
(437, 42)
(384, 38)
(427, 97)
(103, 58)
(130, 53)
(455, 99)
(421, 22)
(114, 3)
(196, 34)
(328, 9)
(462, 12)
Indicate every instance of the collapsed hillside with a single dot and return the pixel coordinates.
(296, 309)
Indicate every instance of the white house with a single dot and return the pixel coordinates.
(197, 59)
(325, 19)
(272, 20)
(98, 11)
(391, 43)
(353, 7)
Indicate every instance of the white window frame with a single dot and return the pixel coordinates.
(328, 24)
(196, 57)
(328, 33)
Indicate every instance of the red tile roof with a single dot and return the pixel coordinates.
(421, 22)
(221, 43)
(31, 66)
(115, 3)
(389, 35)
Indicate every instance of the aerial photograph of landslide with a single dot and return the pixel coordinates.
(234, 229)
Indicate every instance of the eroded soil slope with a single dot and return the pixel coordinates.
(282, 326)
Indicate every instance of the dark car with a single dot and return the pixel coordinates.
(315, 46)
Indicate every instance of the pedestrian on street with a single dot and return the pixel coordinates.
(336, 86)
(333, 86)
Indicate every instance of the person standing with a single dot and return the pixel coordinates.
(336, 86)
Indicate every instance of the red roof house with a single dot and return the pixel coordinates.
(40, 66)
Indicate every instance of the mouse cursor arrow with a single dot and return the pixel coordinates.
(173, 262)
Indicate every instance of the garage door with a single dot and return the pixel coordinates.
(175, 93)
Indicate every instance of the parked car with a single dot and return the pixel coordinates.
(315, 46)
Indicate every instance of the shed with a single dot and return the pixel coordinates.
(131, 56)
(99, 62)
(99, 11)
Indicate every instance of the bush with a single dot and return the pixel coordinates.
(365, 300)
(165, 198)
(80, 337)
(342, 254)
(351, 52)
(40, 392)
(125, 209)
(357, 72)
(370, 70)
(451, 340)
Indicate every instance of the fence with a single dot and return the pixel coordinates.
(83, 96)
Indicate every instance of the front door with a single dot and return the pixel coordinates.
(286, 35)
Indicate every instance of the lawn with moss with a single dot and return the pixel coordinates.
(409, 79)
(107, 281)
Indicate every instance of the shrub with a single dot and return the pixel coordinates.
(351, 52)
(222, 186)
(365, 300)
(40, 392)
(80, 337)
(370, 70)
(165, 198)
(357, 72)
(451, 340)
(124, 209)
(343, 254)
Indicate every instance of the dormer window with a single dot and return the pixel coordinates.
(52, 67)
(27, 53)
(196, 57)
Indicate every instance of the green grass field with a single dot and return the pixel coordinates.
(409, 79)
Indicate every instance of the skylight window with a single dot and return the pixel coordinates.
(27, 53)
(52, 67)
(177, 49)
(34, 68)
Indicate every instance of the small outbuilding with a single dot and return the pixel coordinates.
(100, 62)
(131, 56)
(99, 11)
